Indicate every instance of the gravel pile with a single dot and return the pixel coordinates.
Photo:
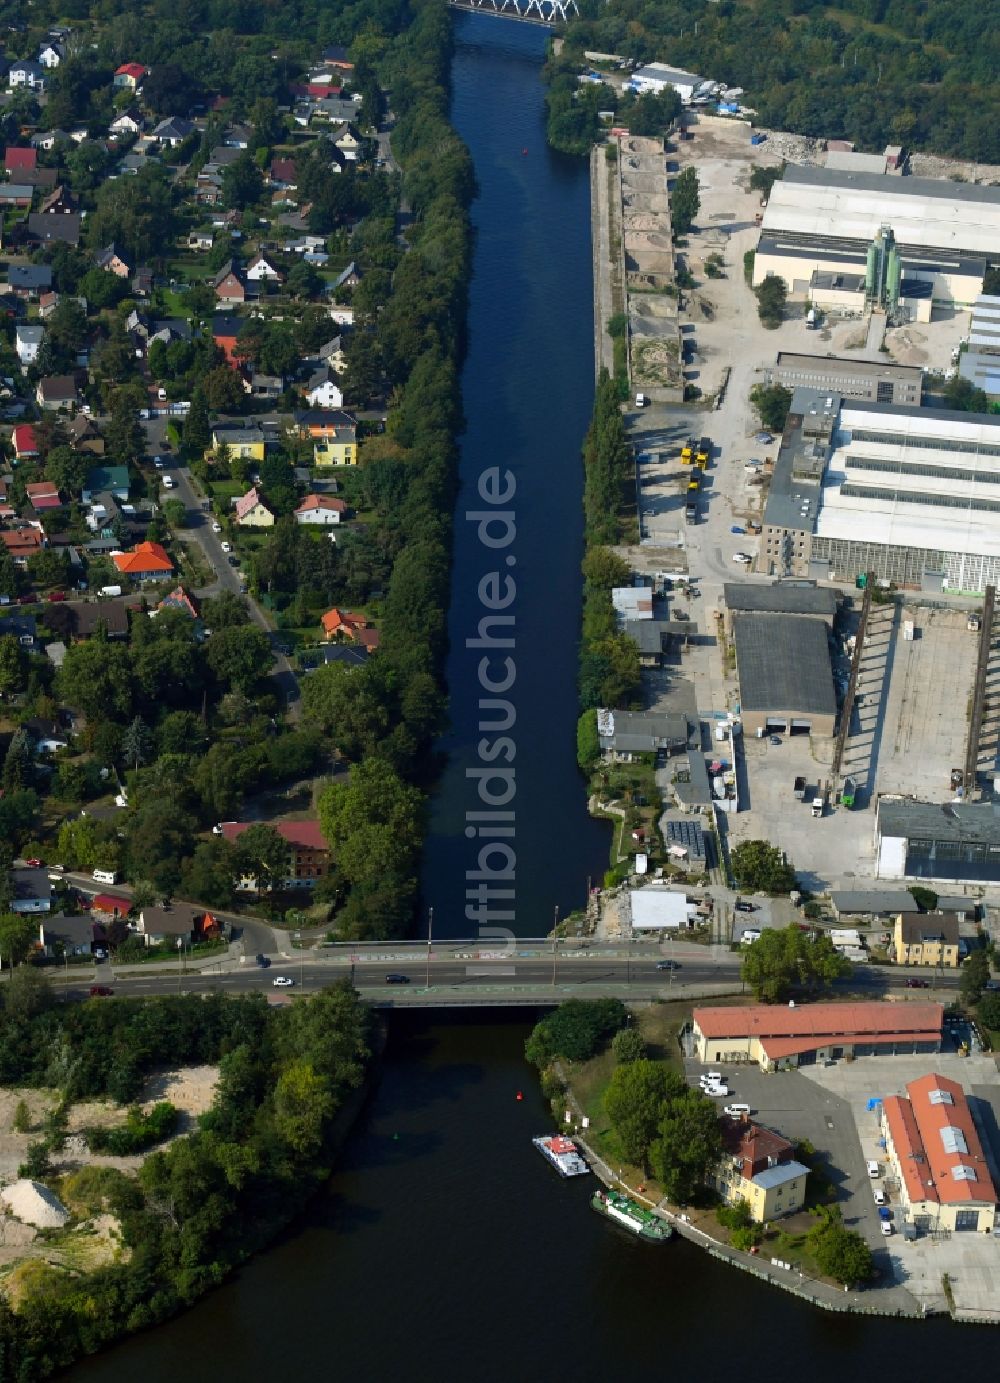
(34, 1204)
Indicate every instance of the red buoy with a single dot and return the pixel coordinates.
(524, 152)
(519, 1096)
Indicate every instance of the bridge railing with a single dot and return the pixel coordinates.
(534, 11)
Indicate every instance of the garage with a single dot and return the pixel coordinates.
(786, 681)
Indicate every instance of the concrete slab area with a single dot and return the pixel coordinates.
(970, 1261)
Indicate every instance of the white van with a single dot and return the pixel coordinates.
(712, 1078)
(737, 1111)
(105, 876)
(874, 1170)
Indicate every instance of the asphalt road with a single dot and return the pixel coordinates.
(535, 976)
(198, 529)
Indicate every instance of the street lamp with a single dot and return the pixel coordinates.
(180, 972)
(555, 943)
(430, 939)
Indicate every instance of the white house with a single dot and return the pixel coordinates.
(52, 55)
(322, 391)
(129, 122)
(261, 269)
(29, 74)
(27, 340)
(321, 509)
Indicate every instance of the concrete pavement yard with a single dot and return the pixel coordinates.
(971, 1261)
(799, 1108)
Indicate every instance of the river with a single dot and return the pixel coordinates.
(444, 1243)
(527, 390)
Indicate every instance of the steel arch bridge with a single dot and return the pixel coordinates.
(531, 11)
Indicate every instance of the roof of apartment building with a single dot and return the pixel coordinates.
(844, 1021)
(930, 926)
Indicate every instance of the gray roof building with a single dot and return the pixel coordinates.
(956, 841)
(641, 732)
(875, 903)
(784, 598)
(930, 926)
(786, 681)
(877, 381)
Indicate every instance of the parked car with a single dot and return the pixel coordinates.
(100, 991)
(159, 462)
(879, 1195)
(216, 526)
(886, 1228)
(775, 740)
(741, 905)
(763, 438)
(282, 982)
(742, 557)
(737, 1111)
(54, 597)
(34, 863)
(168, 482)
(226, 547)
(397, 979)
(262, 960)
(716, 1091)
(874, 1170)
(885, 1213)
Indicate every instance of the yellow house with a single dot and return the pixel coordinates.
(240, 440)
(335, 451)
(252, 512)
(927, 938)
(757, 1166)
(333, 433)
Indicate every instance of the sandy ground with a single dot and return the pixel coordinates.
(190, 1089)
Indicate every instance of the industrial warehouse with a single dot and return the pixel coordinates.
(850, 239)
(786, 681)
(911, 494)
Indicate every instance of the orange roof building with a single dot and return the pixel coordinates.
(343, 624)
(778, 1037)
(935, 1150)
(146, 562)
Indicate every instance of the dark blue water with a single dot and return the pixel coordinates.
(444, 1246)
(527, 391)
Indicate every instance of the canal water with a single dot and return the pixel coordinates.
(444, 1244)
(527, 391)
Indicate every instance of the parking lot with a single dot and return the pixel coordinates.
(971, 1261)
(828, 1105)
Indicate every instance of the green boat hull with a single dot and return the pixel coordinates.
(620, 1210)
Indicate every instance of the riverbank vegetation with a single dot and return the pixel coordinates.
(876, 72)
(199, 1206)
(664, 1138)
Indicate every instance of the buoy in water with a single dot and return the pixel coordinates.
(519, 1096)
(524, 153)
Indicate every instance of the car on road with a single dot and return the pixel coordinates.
(668, 965)
(917, 984)
(233, 560)
(741, 905)
(100, 991)
(216, 526)
(159, 462)
(397, 979)
(282, 982)
(742, 557)
(226, 547)
(34, 863)
(168, 482)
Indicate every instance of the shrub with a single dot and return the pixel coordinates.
(139, 1131)
(628, 1046)
(576, 1030)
